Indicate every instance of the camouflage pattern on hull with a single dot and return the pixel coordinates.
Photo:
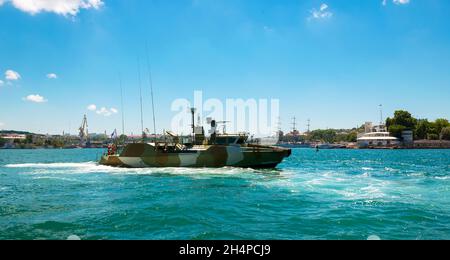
(142, 155)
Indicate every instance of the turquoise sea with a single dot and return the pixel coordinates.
(332, 194)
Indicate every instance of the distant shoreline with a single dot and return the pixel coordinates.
(51, 148)
(294, 148)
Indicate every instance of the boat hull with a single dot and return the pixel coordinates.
(214, 156)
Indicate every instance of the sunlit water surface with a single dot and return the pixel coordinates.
(332, 194)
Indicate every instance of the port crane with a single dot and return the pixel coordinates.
(84, 134)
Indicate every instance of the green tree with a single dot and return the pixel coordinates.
(433, 137)
(401, 121)
(396, 130)
(346, 137)
(445, 133)
(2, 142)
(328, 136)
(29, 139)
(99, 138)
(39, 142)
(441, 124)
(57, 143)
(422, 129)
(122, 139)
(352, 137)
(402, 118)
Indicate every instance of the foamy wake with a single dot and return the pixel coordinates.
(93, 167)
(335, 184)
(50, 165)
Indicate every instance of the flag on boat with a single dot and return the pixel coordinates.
(114, 134)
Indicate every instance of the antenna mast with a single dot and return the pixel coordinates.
(381, 115)
(278, 133)
(193, 110)
(151, 90)
(279, 125)
(140, 95)
(294, 125)
(121, 103)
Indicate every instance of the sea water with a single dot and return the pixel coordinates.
(330, 194)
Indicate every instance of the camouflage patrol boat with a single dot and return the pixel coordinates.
(218, 150)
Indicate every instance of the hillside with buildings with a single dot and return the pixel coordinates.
(400, 131)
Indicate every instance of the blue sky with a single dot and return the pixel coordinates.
(332, 61)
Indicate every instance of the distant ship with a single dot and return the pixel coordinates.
(217, 150)
(294, 138)
(327, 146)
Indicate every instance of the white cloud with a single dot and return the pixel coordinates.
(61, 7)
(2, 83)
(103, 111)
(321, 13)
(397, 2)
(1, 123)
(12, 75)
(52, 76)
(401, 2)
(35, 99)
(92, 107)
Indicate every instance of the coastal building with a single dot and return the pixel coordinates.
(408, 138)
(13, 136)
(376, 137)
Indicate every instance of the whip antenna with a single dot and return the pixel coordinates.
(140, 95)
(150, 79)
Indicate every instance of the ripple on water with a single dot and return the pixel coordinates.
(326, 195)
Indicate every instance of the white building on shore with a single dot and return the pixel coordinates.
(376, 137)
(12, 137)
